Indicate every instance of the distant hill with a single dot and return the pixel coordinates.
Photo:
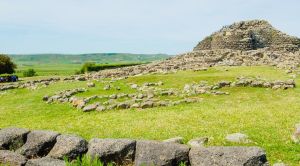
(101, 58)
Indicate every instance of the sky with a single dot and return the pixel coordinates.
(129, 26)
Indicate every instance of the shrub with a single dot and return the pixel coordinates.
(29, 73)
(90, 66)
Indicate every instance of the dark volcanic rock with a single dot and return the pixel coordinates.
(38, 143)
(228, 156)
(46, 161)
(150, 153)
(68, 146)
(119, 151)
(11, 158)
(12, 138)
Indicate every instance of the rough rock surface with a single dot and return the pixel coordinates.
(45, 161)
(249, 35)
(11, 158)
(12, 138)
(119, 151)
(150, 153)
(238, 138)
(228, 156)
(296, 134)
(38, 143)
(198, 142)
(69, 146)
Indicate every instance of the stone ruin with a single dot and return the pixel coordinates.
(149, 94)
(21, 147)
(249, 35)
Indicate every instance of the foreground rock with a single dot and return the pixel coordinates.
(238, 138)
(11, 158)
(228, 156)
(38, 143)
(46, 161)
(12, 138)
(69, 146)
(150, 153)
(198, 142)
(177, 140)
(118, 151)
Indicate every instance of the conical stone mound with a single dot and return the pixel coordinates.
(247, 43)
(249, 35)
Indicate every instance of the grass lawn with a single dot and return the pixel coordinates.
(266, 116)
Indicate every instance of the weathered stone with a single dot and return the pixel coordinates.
(227, 156)
(238, 138)
(101, 108)
(134, 86)
(177, 140)
(69, 146)
(296, 134)
(150, 153)
(12, 138)
(45, 98)
(147, 104)
(45, 161)
(198, 142)
(38, 143)
(107, 87)
(123, 105)
(91, 107)
(135, 105)
(113, 96)
(279, 164)
(119, 151)
(91, 84)
(11, 158)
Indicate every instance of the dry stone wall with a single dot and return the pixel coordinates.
(21, 147)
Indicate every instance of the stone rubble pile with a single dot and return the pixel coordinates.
(21, 147)
(150, 94)
(29, 84)
(63, 96)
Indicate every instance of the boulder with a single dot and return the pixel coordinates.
(177, 140)
(118, 151)
(150, 153)
(101, 108)
(45, 161)
(296, 134)
(90, 84)
(238, 138)
(227, 156)
(69, 146)
(135, 105)
(12, 138)
(38, 143)
(198, 142)
(11, 158)
(147, 104)
(107, 87)
(134, 86)
(123, 105)
(89, 108)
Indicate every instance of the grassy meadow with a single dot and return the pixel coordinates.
(68, 64)
(267, 116)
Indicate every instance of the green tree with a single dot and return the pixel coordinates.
(6, 65)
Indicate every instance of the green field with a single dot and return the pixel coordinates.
(67, 64)
(266, 116)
